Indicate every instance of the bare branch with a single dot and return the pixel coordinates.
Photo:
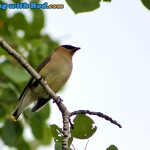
(99, 114)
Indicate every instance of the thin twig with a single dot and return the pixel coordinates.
(86, 144)
(99, 114)
(73, 147)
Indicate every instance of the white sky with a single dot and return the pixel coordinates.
(111, 71)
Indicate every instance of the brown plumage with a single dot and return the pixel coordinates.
(56, 70)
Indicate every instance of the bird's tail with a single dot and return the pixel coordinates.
(15, 115)
(22, 105)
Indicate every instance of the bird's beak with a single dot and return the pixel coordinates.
(72, 51)
(77, 48)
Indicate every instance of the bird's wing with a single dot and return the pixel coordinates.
(32, 82)
(25, 89)
(40, 104)
(43, 63)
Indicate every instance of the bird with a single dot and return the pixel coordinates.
(56, 69)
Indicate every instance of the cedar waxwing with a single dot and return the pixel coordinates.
(56, 70)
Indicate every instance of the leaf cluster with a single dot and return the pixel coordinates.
(83, 128)
(25, 36)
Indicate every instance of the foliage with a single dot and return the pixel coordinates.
(112, 147)
(57, 134)
(26, 37)
(83, 128)
(146, 3)
(84, 5)
(80, 6)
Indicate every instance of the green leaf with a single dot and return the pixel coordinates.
(15, 1)
(42, 114)
(57, 133)
(23, 24)
(58, 146)
(3, 111)
(40, 130)
(34, 144)
(83, 5)
(23, 145)
(40, 48)
(83, 127)
(37, 126)
(3, 15)
(146, 3)
(45, 112)
(106, 0)
(36, 25)
(8, 93)
(38, 20)
(14, 73)
(3, 18)
(47, 136)
(2, 52)
(112, 147)
(1, 130)
(11, 132)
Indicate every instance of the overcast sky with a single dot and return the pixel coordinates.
(111, 71)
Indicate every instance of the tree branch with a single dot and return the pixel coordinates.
(33, 73)
(99, 114)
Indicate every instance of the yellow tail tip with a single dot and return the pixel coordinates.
(13, 118)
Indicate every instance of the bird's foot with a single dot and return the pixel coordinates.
(61, 100)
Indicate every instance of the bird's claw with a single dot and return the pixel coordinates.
(61, 100)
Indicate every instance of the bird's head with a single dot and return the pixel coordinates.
(71, 49)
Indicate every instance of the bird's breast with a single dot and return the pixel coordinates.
(59, 74)
(56, 73)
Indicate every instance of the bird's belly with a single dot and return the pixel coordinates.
(55, 79)
(58, 80)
